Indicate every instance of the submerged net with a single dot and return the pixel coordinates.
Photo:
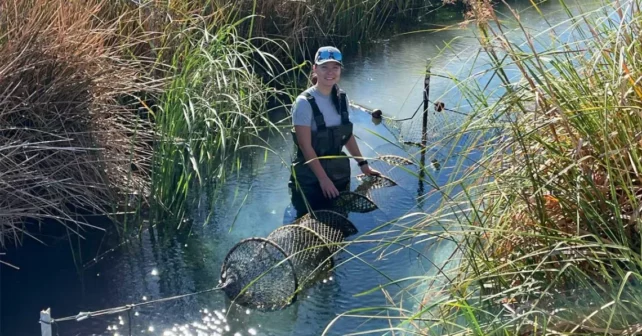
(309, 253)
(334, 220)
(444, 126)
(395, 160)
(249, 285)
(267, 273)
(353, 202)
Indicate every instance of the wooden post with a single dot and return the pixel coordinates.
(45, 322)
(424, 130)
(424, 122)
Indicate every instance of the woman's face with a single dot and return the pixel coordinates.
(328, 73)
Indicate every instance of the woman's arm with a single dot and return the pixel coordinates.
(353, 148)
(304, 139)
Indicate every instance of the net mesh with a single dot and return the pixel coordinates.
(445, 127)
(353, 202)
(309, 253)
(332, 237)
(249, 285)
(267, 273)
(439, 126)
(334, 220)
(395, 160)
(371, 183)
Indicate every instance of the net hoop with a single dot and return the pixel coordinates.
(344, 197)
(286, 259)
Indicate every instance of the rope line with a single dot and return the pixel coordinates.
(85, 315)
(444, 108)
(408, 118)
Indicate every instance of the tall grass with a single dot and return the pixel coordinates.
(305, 25)
(66, 138)
(215, 102)
(553, 246)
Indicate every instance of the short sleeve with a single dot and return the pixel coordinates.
(301, 112)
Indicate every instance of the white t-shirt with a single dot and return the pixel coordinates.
(302, 111)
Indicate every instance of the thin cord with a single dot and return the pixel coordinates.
(129, 307)
(409, 118)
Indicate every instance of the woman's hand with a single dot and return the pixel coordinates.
(369, 171)
(328, 188)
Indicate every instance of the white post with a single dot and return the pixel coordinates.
(45, 322)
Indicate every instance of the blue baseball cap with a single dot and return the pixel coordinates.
(328, 54)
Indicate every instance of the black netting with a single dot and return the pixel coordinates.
(439, 125)
(371, 183)
(257, 273)
(309, 253)
(332, 237)
(332, 219)
(349, 201)
(374, 182)
(395, 160)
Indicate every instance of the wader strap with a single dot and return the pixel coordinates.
(318, 117)
(343, 108)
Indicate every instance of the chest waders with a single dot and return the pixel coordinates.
(326, 141)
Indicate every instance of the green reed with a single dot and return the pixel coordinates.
(214, 104)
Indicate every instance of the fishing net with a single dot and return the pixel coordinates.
(440, 124)
(349, 201)
(446, 130)
(250, 271)
(334, 220)
(267, 273)
(309, 252)
(395, 160)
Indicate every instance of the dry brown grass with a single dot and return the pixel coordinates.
(66, 140)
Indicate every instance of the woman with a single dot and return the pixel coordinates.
(321, 129)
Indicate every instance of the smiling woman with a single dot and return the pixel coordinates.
(322, 128)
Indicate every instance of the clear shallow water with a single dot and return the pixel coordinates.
(255, 202)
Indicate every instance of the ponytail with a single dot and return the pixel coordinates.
(334, 95)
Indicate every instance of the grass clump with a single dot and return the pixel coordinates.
(215, 103)
(66, 138)
(111, 107)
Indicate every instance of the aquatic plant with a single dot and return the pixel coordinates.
(214, 104)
